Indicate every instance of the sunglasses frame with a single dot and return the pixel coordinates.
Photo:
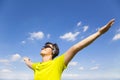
(47, 46)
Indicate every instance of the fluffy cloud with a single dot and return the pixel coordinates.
(70, 36)
(15, 57)
(73, 63)
(85, 28)
(81, 68)
(8, 71)
(90, 76)
(116, 37)
(70, 76)
(36, 35)
(5, 71)
(23, 42)
(4, 61)
(94, 68)
(79, 24)
(12, 75)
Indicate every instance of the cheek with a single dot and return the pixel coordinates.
(46, 51)
(49, 51)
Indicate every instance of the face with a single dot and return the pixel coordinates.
(47, 50)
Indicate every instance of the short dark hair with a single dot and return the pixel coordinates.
(55, 49)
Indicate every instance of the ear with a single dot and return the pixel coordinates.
(54, 50)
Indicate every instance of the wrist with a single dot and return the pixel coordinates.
(99, 33)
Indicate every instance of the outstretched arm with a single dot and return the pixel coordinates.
(28, 62)
(69, 54)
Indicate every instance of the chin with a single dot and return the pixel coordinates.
(42, 53)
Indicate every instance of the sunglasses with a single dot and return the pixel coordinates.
(47, 46)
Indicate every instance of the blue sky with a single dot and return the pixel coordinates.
(26, 25)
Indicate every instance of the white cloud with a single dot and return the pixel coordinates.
(12, 76)
(70, 76)
(15, 57)
(78, 24)
(23, 42)
(5, 71)
(70, 36)
(36, 35)
(85, 28)
(73, 63)
(94, 68)
(81, 68)
(8, 62)
(4, 61)
(116, 37)
(91, 76)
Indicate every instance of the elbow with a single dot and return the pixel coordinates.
(76, 48)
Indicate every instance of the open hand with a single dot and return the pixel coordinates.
(26, 59)
(105, 28)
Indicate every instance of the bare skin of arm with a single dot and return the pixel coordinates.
(69, 54)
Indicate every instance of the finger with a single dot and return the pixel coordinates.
(111, 22)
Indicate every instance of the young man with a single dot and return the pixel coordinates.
(51, 68)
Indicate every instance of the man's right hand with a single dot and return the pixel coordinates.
(28, 62)
(26, 59)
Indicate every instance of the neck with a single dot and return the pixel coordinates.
(46, 58)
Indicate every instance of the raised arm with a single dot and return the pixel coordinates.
(28, 62)
(69, 54)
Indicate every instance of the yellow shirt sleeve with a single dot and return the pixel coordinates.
(34, 65)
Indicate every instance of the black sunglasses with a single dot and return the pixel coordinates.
(47, 46)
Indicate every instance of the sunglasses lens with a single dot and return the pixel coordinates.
(47, 46)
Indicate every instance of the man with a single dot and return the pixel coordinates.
(51, 68)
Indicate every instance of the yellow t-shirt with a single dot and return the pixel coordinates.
(50, 70)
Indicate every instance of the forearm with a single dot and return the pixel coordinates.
(85, 42)
(79, 46)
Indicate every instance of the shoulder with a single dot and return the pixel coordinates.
(35, 64)
(61, 57)
(60, 61)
